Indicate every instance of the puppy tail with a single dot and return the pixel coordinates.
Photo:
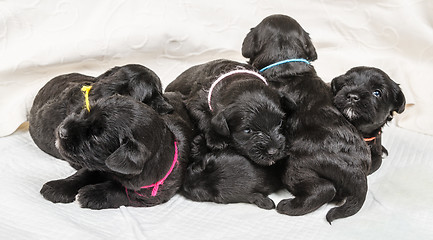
(352, 204)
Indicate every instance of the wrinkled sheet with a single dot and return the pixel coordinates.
(398, 204)
(42, 39)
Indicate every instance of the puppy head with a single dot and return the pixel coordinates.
(367, 97)
(276, 38)
(110, 136)
(254, 124)
(137, 81)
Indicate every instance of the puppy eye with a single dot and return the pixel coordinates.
(377, 93)
(248, 130)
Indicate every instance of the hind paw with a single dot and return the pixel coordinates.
(291, 207)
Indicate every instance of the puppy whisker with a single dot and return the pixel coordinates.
(350, 113)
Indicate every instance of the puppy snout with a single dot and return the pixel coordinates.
(352, 97)
(63, 133)
(272, 151)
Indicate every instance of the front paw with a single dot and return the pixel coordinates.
(93, 197)
(58, 191)
(376, 162)
(262, 201)
(103, 195)
(198, 147)
(216, 143)
(384, 151)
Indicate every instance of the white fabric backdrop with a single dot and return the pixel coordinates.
(42, 39)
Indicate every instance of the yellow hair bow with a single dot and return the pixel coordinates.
(86, 89)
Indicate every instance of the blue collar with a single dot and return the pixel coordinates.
(285, 61)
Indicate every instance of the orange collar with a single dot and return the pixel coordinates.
(369, 139)
(372, 138)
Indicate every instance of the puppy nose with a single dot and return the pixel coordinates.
(351, 97)
(272, 151)
(63, 133)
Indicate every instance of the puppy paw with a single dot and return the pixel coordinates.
(384, 151)
(93, 197)
(215, 143)
(100, 196)
(376, 161)
(58, 192)
(262, 201)
(290, 207)
(198, 147)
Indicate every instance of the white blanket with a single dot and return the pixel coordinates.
(42, 39)
(398, 204)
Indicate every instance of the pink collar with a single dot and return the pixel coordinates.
(160, 182)
(230, 74)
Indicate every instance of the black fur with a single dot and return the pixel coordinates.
(368, 98)
(227, 177)
(62, 96)
(246, 113)
(120, 146)
(327, 158)
(134, 80)
(268, 45)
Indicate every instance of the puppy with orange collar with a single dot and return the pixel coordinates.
(368, 98)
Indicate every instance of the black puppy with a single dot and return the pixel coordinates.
(233, 106)
(63, 95)
(368, 98)
(227, 177)
(327, 158)
(128, 155)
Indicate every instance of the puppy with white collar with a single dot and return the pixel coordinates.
(234, 107)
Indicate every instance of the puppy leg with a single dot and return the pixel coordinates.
(65, 190)
(108, 194)
(261, 201)
(215, 141)
(384, 151)
(376, 161)
(309, 196)
(377, 151)
(198, 148)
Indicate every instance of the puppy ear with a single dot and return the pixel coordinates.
(129, 158)
(219, 124)
(337, 84)
(109, 72)
(400, 102)
(250, 44)
(287, 104)
(310, 50)
(160, 105)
